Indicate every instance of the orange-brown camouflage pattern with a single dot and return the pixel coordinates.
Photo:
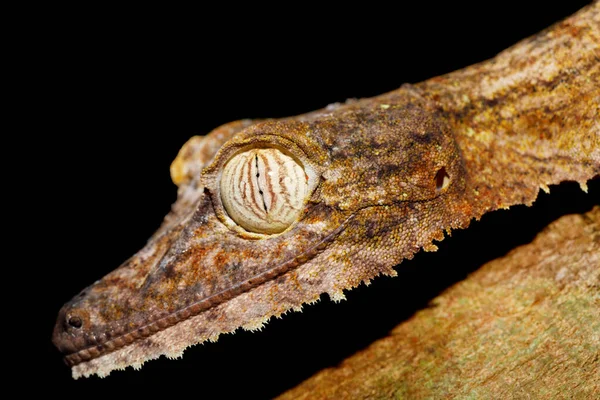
(498, 131)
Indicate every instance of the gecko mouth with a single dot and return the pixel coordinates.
(111, 344)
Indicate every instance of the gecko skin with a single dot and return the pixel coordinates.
(386, 176)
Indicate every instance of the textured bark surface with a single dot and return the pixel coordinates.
(523, 326)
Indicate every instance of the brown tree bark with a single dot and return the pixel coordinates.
(523, 326)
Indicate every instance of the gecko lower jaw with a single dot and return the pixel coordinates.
(82, 348)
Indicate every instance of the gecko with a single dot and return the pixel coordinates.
(271, 214)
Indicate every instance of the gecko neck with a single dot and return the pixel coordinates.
(535, 104)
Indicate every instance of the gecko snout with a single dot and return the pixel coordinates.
(69, 331)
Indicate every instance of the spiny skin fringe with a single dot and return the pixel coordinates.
(259, 324)
(252, 327)
(336, 297)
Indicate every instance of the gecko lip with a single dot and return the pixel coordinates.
(79, 348)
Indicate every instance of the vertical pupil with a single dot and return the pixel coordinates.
(260, 191)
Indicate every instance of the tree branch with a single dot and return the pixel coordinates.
(523, 326)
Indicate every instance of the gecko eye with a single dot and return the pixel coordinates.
(75, 322)
(263, 190)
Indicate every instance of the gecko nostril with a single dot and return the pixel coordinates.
(75, 322)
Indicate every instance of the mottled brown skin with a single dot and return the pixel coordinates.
(498, 131)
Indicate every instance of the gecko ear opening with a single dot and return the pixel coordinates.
(442, 180)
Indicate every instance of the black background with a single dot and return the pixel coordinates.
(120, 91)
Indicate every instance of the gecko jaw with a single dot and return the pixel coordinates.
(139, 333)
